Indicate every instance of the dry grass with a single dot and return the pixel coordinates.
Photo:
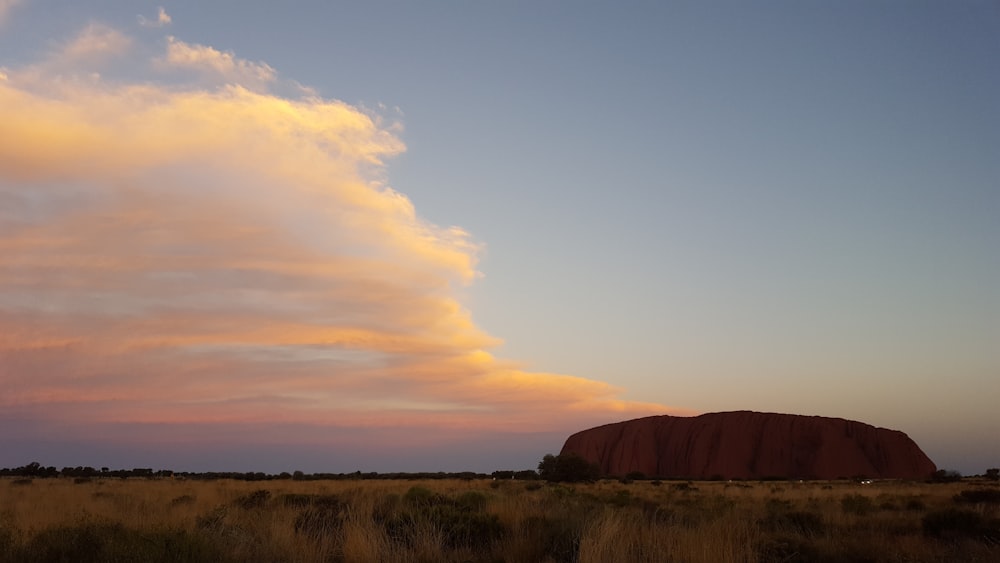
(418, 521)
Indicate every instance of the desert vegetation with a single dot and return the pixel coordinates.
(163, 519)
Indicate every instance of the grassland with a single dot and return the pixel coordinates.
(160, 520)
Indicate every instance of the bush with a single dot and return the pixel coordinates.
(952, 522)
(323, 516)
(557, 539)
(797, 522)
(97, 543)
(256, 499)
(857, 504)
(462, 520)
(569, 468)
(946, 476)
(182, 500)
(978, 496)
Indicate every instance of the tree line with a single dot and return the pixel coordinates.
(38, 471)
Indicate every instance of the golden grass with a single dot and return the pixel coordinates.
(451, 520)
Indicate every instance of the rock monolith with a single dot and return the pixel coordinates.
(751, 445)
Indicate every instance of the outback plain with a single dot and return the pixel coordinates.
(484, 519)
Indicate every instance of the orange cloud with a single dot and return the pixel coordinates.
(211, 61)
(180, 255)
(163, 19)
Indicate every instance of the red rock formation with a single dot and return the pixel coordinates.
(750, 445)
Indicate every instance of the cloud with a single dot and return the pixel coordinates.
(74, 61)
(163, 19)
(175, 255)
(5, 6)
(95, 42)
(217, 64)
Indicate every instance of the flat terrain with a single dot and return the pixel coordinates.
(65, 519)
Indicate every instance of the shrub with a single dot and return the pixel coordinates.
(952, 522)
(978, 496)
(569, 468)
(857, 504)
(472, 500)
(97, 543)
(945, 476)
(993, 474)
(182, 500)
(462, 520)
(797, 522)
(253, 500)
(420, 496)
(297, 500)
(557, 539)
(324, 515)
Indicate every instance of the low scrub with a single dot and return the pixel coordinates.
(458, 520)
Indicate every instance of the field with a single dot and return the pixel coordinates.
(81, 520)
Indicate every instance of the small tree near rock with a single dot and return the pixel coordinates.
(569, 468)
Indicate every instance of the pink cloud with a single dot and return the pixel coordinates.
(176, 256)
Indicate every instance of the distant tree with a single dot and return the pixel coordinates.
(567, 468)
(298, 475)
(946, 476)
(993, 474)
(526, 475)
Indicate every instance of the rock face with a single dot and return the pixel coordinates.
(751, 445)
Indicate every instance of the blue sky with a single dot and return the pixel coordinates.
(778, 206)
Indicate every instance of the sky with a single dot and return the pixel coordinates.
(443, 236)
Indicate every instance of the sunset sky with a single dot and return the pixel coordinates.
(423, 236)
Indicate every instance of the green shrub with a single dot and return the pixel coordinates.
(420, 496)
